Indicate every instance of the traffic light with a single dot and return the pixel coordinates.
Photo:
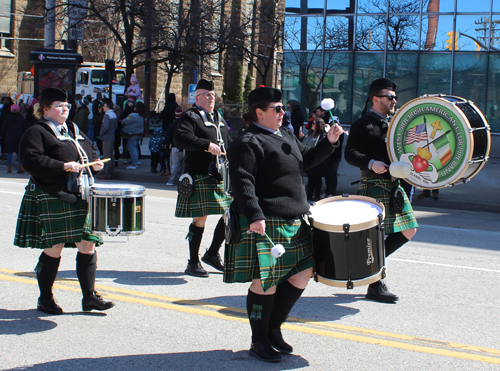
(452, 42)
(109, 65)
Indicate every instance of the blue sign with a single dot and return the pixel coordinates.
(191, 98)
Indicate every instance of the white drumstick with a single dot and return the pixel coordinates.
(400, 169)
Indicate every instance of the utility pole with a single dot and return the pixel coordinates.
(50, 25)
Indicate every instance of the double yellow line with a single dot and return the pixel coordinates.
(326, 329)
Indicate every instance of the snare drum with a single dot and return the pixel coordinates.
(348, 241)
(117, 209)
(446, 140)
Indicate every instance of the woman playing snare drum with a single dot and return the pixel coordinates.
(52, 215)
(265, 167)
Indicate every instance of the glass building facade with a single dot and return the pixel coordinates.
(335, 48)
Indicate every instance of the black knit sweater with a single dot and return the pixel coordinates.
(266, 173)
(194, 136)
(43, 156)
(366, 141)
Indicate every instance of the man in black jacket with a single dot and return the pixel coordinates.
(366, 149)
(204, 136)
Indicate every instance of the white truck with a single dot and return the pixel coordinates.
(92, 78)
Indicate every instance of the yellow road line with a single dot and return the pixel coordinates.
(326, 329)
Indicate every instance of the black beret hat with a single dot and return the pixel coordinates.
(263, 95)
(205, 84)
(54, 94)
(381, 84)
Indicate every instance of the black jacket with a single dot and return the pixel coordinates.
(43, 156)
(194, 136)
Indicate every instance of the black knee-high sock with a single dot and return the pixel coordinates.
(259, 309)
(219, 237)
(285, 298)
(46, 273)
(393, 242)
(86, 266)
(194, 236)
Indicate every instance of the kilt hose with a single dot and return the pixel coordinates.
(209, 198)
(380, 189)
(45, 221)
(251, 258)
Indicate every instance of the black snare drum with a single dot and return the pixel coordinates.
(117, 209)
(348, 241)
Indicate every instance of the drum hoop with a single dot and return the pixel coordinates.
(353, 227)
(128, 191)
(469, 136)
(356, 283)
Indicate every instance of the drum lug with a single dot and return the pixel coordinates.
(383, 274)
(115, 232)
(346, 230)
(350, 285)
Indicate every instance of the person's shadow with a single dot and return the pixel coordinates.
(20, 322)
(213, 360)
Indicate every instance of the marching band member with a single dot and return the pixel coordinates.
(265, 167)
(203, 134)
(366, 149)
(52, 215)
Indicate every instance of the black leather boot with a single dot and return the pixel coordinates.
(194, 267)
(86, 266)
(259, 308)
(379, 291)
(46, 273)
(285, 298)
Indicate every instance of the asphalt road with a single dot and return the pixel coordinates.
(447, 318)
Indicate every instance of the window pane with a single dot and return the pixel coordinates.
(473, 26)
(493, 98)
(315, 34)
(495, 33)
(291, 85)
(339, 33)
(473, 6)
(496, 5)
(337, 83)
(292, 7)
(402, 69)
(434, 74)
(403, 32)
(292, 33)
(372, 6)
(368, 67)
(434, 31)
(339, 5)
(315, 6)
(469, 78)
(404, 6)
(370, 33)
(442, 6)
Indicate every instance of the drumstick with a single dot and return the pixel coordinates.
(222, 153)
(93, 163)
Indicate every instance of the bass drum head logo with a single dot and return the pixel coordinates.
(432, 135)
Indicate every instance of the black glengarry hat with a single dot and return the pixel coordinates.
(263, 95)
(54, 94)
(205, 84)
(381, 84)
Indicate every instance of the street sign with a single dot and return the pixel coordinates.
(191, 98)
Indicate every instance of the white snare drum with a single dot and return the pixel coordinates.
(445, 139)
(348, 241)
(117, 209)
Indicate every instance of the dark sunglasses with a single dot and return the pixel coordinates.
(391, 97)
(277, 108)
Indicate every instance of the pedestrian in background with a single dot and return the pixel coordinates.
(297, 116)
(107, 136)
(176, 155)
(133, 128)
(13, 129)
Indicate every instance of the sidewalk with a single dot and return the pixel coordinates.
(481, 193)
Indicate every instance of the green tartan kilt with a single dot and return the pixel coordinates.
(380, 189)
(251, 258)
(208, 198)
(45, 221)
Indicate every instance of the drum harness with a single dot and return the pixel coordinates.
(85, 178)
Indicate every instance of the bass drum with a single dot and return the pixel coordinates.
(348, 241)
(445, 139)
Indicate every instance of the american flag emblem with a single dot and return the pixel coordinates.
(416, 134)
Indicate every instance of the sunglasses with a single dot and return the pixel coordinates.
(277, 108)
(208, 95)
(391, 97)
